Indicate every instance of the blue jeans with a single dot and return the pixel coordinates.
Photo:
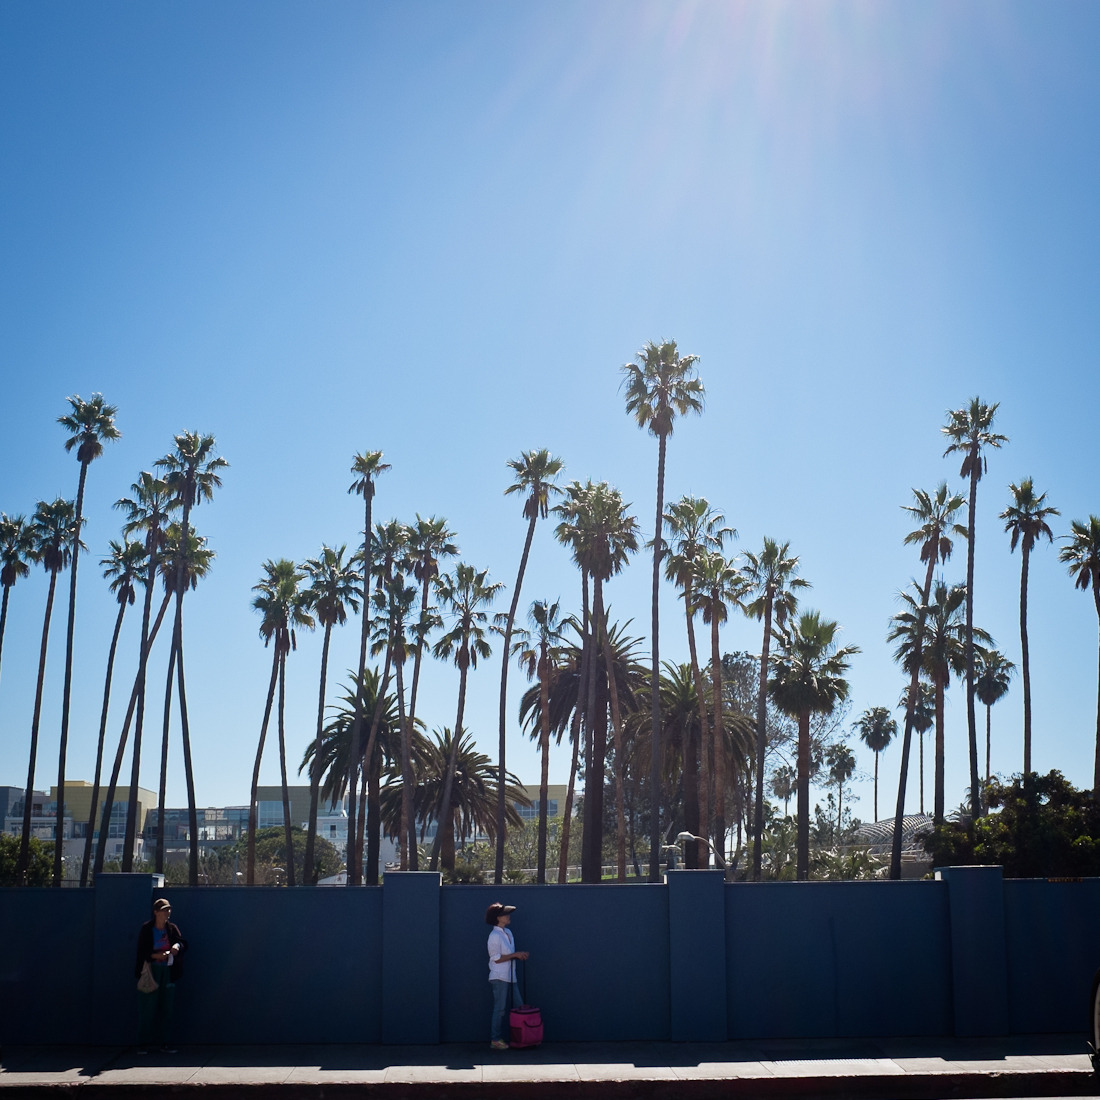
(497, 1029)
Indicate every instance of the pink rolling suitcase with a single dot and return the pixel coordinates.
(525, 1022)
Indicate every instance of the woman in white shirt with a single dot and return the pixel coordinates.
(502, 969)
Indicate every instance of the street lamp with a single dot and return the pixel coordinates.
(685, 838)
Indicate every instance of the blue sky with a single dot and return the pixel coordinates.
(438, 230)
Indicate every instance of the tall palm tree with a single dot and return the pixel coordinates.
(608, 536)
(1026, 522)
(192, 472)
(466, 593)
(89, 423)
(661, 384)
(718, 587)
(807, 677)
(332, 590)
(537, 650)
(56, 536)
(924, 718)
(772, 576)
(282, 605)
(935, 518)
(784, 783)
(841, 762)
(535, 472)
(124, 567)
(1082, 555)
(16, 550)
(876, 730)
(366, 467)
(694, 529)
(198, 558)
(994, 676)
(970, 430)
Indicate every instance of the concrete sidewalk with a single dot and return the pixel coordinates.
(1043, 1065)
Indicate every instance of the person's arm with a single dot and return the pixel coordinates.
(505, 957)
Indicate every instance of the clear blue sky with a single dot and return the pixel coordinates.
(438, 230)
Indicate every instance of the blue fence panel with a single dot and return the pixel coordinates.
(822, 959)
(599, 960)
(1053, 949)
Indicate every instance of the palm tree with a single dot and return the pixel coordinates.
(198, 559)
(924, 718)
(55, 536)
(970, 430)
(935, 517)
(366, 467)
(660, 385)
(994, 675)
(537, 650)
(89, 424)
(16, 549)
(841, 763)
(1026, 522)
(784, 783)
(771, 576)
(125, 568)
(332, 590)
(608, 536)
(694, 529)
(718, 586)
(465, 593)
(534, 479)
(192, 472)
(283, 608)
(876, 730)
(1082, 555)
(808, 678)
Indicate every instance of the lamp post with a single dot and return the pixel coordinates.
(685, 838)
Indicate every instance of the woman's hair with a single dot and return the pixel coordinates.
(497, 910)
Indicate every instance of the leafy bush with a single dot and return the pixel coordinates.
(40, 869)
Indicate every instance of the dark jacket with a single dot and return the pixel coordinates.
(145, 950)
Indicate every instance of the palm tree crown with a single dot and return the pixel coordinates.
(16, 545)
(1026, 518)
(661, 384)
(535, 472)
(333, 586)
(89, 424)
(282, 604)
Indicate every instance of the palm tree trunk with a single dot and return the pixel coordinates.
(28, 800)
(188, 772)
(1025, 663)
(250, 866)
(1096, 757)
(655, 686)
(761, 740)
(971, 716)
(372, 820)
(907, 736)
(445, 815)
(922, 771)
(498, 870)
(162, 789)
(617, 733)
(4, 616)
(719, 742)
(876, 786)
(368, 755)
(544, 748)
(86, 862)
(354, 862)
(702, 856)
(67, 691)
(938, 795)
(289, 838)
(575, 730)
(988, 713)
(408, 816)
(803, 804)
(315, 780)
(120, 752)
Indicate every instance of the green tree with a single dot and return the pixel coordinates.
(124, 567)
(771, 576)
(331, 591)
(39, 862)
(466, 594)
(695, 529)
(876, 730)
(808, 676)
(970, 430)
(192, 472)
(841, 765)
(366, 467)
(660, 385)
(1082, 556)
(994, 675)
(1026, 523)
(935, 518)
(88, 423)
(784, 783)
(55, 534)
(16, 552)
(282, 605)
(535, 472)
(537, 650)
(270, 847)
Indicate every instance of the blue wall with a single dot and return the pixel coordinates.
(692, 958)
